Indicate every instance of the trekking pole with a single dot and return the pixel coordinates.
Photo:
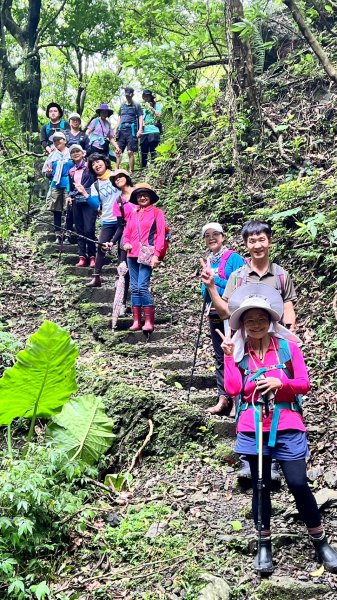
(264, 401)
(196, 347)
(260, 489)
(82, 237)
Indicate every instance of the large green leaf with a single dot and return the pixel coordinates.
(82, 429)
(42, 379)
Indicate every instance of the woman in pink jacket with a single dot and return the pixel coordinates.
(144, 240)
(260, 343)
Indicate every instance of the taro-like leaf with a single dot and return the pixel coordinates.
(43, 377)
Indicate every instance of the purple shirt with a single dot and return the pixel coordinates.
(99, 131)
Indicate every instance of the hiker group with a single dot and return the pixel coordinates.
(261, 374)
(84, 186)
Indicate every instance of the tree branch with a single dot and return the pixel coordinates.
(312, 41)
(206, 63)
(47, 25)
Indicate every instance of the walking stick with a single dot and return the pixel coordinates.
(263, 402)
(196, 347)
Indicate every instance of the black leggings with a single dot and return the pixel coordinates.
(295, 474)
(106, 234)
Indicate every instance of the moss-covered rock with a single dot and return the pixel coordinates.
(175, 424)
(279, 588)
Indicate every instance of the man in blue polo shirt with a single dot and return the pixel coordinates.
(129, 128)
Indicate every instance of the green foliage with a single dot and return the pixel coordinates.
(82, 429)
(38, 495)
(119, 481)
(250, 29)
(42, 379)
(9, 346)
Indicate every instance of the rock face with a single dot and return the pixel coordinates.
(216, 589)
(281, 588)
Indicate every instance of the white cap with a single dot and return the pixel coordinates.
(74, 116)
(59, 135)
(215, 226)
(254, 295)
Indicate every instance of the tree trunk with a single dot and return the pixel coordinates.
(242, 58)
(23, 91)
(312, 41)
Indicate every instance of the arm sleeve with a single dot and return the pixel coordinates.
(139, 111)
(159, 239)
(220, 284)
(232, 377)
(43, 137)
(119, 231)
(93, 198)
(127, 232)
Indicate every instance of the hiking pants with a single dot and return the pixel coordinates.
(140, 276)
(58, 220)
(216, 323)
(148, 143)
(295, 474)
(85, 220)
(107, 232)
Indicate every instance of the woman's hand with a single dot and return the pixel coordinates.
(268, 384)
(127, 247)
(69, 201)
(207, 276)
(81, 189)
(107, 246)
(227, 344)
(154, 262)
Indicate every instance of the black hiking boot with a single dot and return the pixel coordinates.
(244, 475)
(265, 565)
(325, 554)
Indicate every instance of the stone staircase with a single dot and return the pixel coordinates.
(162, 346)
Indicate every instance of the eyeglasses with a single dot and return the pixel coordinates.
(209, 236)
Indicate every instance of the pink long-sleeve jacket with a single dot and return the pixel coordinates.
(298, 384)
(151, 227)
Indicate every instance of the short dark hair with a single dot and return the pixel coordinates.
(255, 228)
(129, 89)
(128, 181)
(97, 156)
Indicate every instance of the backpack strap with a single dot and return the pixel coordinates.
(223, 263)
(243, 366)
(96, 185)
(280, 278)
(240, 276)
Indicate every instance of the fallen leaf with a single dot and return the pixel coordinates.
(317, 573)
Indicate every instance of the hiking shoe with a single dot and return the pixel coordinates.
(95, 282)
(325, 554)
(92, 262)
(66, 240)
(222, 408)
(275, 474)
(244, 472)
(82, 262)
(264, 562)
(57, 239)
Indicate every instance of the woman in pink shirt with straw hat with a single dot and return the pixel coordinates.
(144, 240)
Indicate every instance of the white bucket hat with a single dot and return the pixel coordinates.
(216, 226)
(254, 295)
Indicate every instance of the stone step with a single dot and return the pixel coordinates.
(88, 308)
(124, 323)
(175, 364)
(54, 249)
(116, 338)
(159, 350)
(108, 271)
(223, 427)
(204, 400)
(200, 380)
(102, 295)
